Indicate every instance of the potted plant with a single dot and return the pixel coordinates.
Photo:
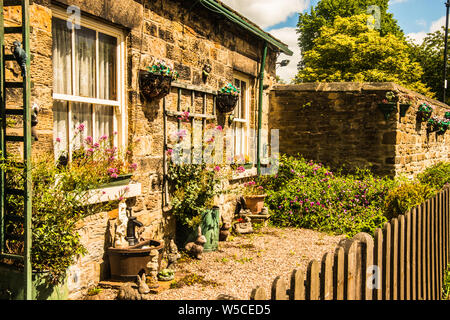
(227, 98)
(405, 104)
(156, 81)
(447, 115)
(433, 124)
(242, 160)
(389, 104)
(254, 196)
(424, 112)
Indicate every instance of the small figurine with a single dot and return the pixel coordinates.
(172, 255)
(196, 248)
(224, 230)
(20, 55)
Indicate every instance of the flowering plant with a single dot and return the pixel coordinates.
(160, 67)
(106, 162)
(447, 115)
(424, 112)
(251, 188)
(390, 97)
(230, 89)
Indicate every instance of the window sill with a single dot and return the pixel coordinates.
(246, 174)
(114, 193)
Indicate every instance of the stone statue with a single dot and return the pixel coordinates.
(173, 255)
(224, 230)
(196, 248)
(152, 268)
(121, 227)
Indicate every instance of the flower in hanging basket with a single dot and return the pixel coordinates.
(433, 124)
(424, 112)
(227, 98)
(447, 115)
(156, 81)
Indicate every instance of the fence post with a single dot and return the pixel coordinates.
(428, 249)
(401, 258)
(279, 289)
(387, 261)
(378, 261)
(313, 281)
(365, 256)
(297, 290)
(326, 277)
(258, 294)
(394, 259)
(408, 260)
(338, 274)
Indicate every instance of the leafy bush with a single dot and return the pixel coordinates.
(436, 176)
(406, 196)
(308, 195)
(59, 202)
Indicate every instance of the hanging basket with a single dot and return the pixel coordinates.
(387, 109)
(154, 86)
(226, 102)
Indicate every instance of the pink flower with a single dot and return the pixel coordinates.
(96, 145)
(133, 166)
(120, 198)
(217, 168)
(89, 140)
(114, 175)
(81, 127)
(103, 137)
(240, 169)
(219, 128)
(58, 139)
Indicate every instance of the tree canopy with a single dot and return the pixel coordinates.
(430, 55)
(349, 50)
(326, 12)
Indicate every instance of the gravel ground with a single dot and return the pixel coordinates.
(247, 261)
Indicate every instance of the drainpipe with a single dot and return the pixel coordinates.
(260, 106)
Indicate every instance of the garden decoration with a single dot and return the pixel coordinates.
(433, 124)
(227, 98)
(443, 125)
(166, 275)
(424, 112)
(156, 81)
(254, 196)
(206, 71)
(224, 231)
(405, 104)
(173, 255)
(195, 248)
(388, 105)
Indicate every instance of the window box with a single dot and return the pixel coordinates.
(121, 180)
(114, 193)
(154, 86)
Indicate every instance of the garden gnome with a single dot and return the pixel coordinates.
(173, 255)
(196, 248)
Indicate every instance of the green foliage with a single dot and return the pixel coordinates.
(326, 11)
(308, 195)
(436, 176)
(193, 188)
(446, 284)
(59, 203)
(405, 197)
(349, 50)
(430, 55)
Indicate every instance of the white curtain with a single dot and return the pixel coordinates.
(85, 63)
(107, 50)
(62, 57)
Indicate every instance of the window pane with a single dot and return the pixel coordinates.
(85, 68)
(237, 109)
(104, 121)
(107, 51)
(62, 57)
(243, 89)
(81, 114)
(60, 128)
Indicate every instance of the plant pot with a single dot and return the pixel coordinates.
(127, 263)
(121, 180)
(226, 102)
(404, 108)
(154, 86)
(387, 109)
(248, 165)
(255, 203)
(12, 282)
(210, 226)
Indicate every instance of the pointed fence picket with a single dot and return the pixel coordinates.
(404, 260)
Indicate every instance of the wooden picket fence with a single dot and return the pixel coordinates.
(405, 260)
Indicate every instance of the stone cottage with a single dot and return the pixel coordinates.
(86, 58)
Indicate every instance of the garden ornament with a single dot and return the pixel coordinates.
(173, 255)
(196, 248)
(34, 121)
(20, 55)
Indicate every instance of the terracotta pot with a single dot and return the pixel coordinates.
(255, 203)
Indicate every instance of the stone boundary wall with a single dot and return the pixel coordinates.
(341, 124)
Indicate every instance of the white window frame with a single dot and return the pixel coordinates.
(120, 104)
(245, 121)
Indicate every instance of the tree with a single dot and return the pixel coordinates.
(326, 12)
(351, 51)
(430, 55)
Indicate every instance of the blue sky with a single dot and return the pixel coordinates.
(415, 17)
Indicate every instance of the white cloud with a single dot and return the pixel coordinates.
(268, 12)
(418, 37)
(289, 37)
(397, 1)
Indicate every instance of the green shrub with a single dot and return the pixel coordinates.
(436, 176)
(308, 195)
(406, 196)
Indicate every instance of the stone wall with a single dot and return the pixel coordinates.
(170, 30)
(340, 124)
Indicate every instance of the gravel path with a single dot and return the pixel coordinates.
(244, 262)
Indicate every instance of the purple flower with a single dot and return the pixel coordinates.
(103, 137)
